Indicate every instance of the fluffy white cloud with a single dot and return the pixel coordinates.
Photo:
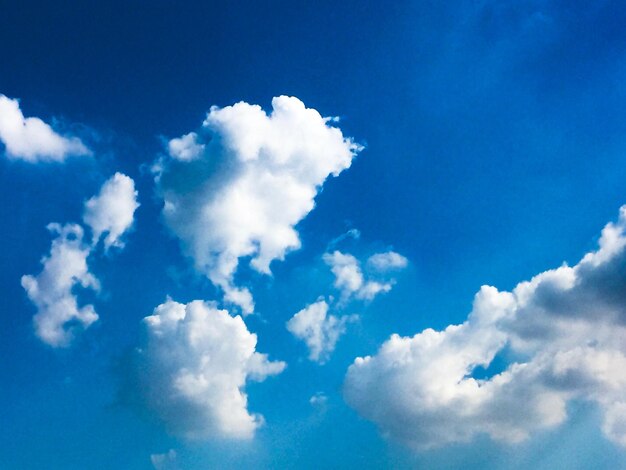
(318, 330)
(52, 291)
(194, 367)
(349, 277)
(186, 147)
(112, 210)
(566, 329)
(31, 139)
(239, 187)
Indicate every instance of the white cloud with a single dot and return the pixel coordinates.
(320, 400)
(349, 277)
(194, 367)
(52, 291)
(387, 261)
(318, 330)
(186, 147)
(566, 329)
(31, 139)
(165, 461)
(112, 210)
(239, 187)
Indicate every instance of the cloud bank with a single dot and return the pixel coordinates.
(31, 139)
(193, 369)
(565, 331)
(112, 210)
(240, 185)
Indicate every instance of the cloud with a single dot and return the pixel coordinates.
(240, 185)
(349, 278)
(318, 330)
(31, 139)
(185, 148)
(52, 290)
(389, 260)
(112, 210)
(165, 461)
(565, 332)
(193, 369)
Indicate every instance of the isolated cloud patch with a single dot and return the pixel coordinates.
(239, 186)
(31, 139)
(565, 329)
(349, 277)
(52, 291)
(193, 369)
(319, 330)
(112, 210)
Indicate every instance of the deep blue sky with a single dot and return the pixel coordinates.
(495, 136)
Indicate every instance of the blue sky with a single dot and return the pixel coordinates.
(481, 143)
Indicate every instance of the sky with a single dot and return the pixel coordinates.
(312, 235)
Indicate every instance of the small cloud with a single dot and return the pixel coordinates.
(319, 400)
(112, 210)
(319, 330)
(167, 461)
(31, 139)
(52, 290)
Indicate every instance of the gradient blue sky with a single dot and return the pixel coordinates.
(495, 143)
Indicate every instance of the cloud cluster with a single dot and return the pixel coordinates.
(53, 290)
(319, 330)
(565, 331)
(31, 139)
(112, 210)
(239, 186)
(349, 277)
(193, 369)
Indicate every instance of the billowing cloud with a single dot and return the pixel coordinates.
(564, 332)
(193, 369)
(319, 330)
(31, 139)
(240, 185)
(53, 290)
(112, 210)
(349, 277)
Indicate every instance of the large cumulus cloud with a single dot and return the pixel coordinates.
(193, 368)
(565, 331)
(239, 186)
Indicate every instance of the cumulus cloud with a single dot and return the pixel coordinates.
(52, 290)
(319, 330)
(565, 329)
(112, 210)
(31, 139)
(239, 186)
(349, 277)
(193, 369)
